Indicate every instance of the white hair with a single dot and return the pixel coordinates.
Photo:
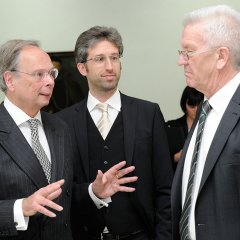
(221, 28)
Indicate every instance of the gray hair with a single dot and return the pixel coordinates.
(9, 53)
(94, 35)
(221, 25)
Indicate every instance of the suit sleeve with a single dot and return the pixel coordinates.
(163, 175)
(7, 225)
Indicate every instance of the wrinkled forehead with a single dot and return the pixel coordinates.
(193, 35)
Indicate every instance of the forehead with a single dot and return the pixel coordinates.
(35, 58)
(102, 48)
(192, 36)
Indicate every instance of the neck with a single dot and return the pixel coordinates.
(31, 111)
(103, 96)
(221, 80)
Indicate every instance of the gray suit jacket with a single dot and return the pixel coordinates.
(21, 175)
(145, 147)
(217, 211)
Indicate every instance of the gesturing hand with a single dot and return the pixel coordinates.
(41, 199)
(108, 183)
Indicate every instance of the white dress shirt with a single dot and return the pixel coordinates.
(114, 107)
(21, 118)
(219, 102)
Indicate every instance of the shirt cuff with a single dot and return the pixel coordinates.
(98, 202)
(20, 221)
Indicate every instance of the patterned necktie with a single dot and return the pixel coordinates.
(38, 149)
(103, 124)
(184, 221)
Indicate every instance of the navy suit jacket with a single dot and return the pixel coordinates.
(145, 147)
(217, 211)
(21, 175)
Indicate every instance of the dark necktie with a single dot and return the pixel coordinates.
(38, 149)
(103, 124)
(184, 221)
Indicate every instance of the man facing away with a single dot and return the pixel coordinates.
(35, 164)
(133, 131)
(206, 186)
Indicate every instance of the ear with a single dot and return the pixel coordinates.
(9, 80)
(223, 57)
(82, 68)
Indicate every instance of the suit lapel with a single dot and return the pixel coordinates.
(129, 112)
(228, 122)
(80, 125)
(16, 146)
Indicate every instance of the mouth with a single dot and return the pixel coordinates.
(187, 74)
(109, 76)
(46, 94)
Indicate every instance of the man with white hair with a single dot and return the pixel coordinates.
(206, 187)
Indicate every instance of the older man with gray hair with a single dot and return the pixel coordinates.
(35, 155)
(206, 187)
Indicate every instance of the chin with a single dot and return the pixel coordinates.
(190, 82)
(44, 103)
(110, 87)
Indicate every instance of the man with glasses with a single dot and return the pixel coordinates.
(107, 128)
(206, 186)
(35, 153)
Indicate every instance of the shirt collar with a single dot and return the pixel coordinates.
(114, 101)
(221, 98)
(17, 114)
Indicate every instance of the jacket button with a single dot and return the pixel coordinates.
(105, 147)
(105, 162)
(68, 193)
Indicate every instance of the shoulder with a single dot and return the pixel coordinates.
(143, 109)
(69, 112)
(141, 102)
(52, 120)
(48, 116)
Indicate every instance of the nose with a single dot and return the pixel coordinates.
(49, 79)
(182, 61)
(108, 63)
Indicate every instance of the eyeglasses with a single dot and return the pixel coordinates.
(187, 54)
(39, 75)
(102, 59)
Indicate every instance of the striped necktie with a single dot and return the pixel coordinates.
(184, 221)
(103, 124)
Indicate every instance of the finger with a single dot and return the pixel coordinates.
(97, 182)
(50, 204)
(125, 171)
(47, 212)
(60, 183)
(125, 189)
(113, 170)
(55, 194)
(127, 180)
(99, 177)
(49, 189)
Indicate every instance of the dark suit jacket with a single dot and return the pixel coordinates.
(21, 175)
(217, 211)
(177, 131)
(145, 147)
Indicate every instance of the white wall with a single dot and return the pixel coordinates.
(151, 32)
